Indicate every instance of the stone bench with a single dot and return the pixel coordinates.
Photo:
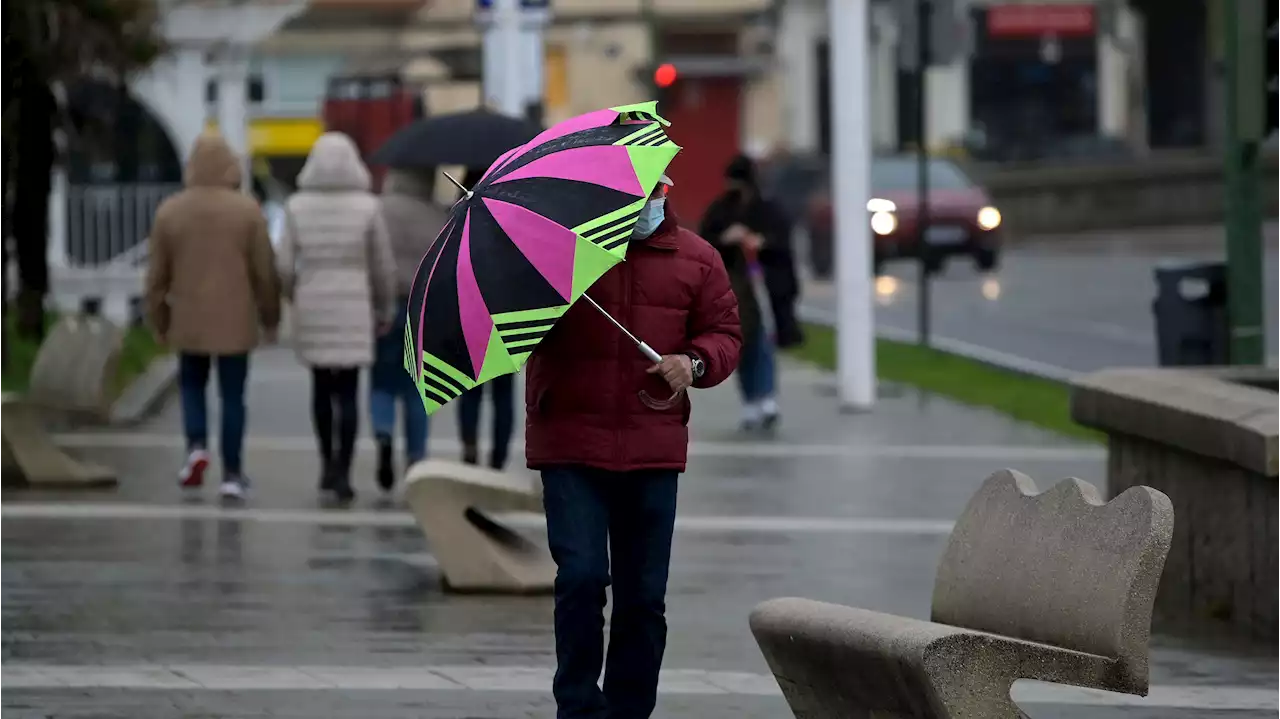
(1207, 437)
(71, 378)
(1054, 586)
(477, 553)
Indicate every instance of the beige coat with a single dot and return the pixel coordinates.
(335, 258)
(413, 222)
(211, 278)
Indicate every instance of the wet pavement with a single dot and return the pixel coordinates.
(1079, 303)
(143, 603)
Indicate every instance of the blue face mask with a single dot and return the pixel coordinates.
(650, 217)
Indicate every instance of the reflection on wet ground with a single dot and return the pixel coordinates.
(263, 598)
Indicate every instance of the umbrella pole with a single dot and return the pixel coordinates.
(645, 349)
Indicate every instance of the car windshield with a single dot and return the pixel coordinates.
(900, 173)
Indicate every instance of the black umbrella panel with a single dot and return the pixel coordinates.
(470, 139)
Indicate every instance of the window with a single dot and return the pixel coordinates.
(901, 173)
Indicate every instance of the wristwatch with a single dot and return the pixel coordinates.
(699, 367)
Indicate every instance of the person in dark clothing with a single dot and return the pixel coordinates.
(611, 457)
(747, 227)
(501, 395)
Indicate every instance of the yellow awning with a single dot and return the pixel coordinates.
(281, 136)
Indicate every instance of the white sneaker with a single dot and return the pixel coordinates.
(234, 488)
(769, 408)
(191, 476)
(751, 415)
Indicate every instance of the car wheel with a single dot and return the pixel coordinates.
(986, 259)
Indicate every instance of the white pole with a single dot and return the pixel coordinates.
(506, 18)
(233, 105)
(491, 61)
(850, 170)
(533, 21)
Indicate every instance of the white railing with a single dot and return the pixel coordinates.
(109, 224)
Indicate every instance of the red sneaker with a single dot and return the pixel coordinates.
(191, 476)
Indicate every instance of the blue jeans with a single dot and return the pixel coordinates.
(389, 382)
(597, 520)
(193, 377)
(756, 368)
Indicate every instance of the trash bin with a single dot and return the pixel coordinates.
(1191, 314)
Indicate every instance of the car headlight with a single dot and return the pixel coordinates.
(989, 218)
(879, 204)
(883, 223)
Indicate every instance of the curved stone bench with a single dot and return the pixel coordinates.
(1054, 586)
(476, 553)
(71, 377)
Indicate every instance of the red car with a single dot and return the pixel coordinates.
(962, 219)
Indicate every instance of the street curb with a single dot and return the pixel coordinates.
(145, 392)
(960, 348)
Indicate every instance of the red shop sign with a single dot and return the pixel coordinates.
(1037, 20)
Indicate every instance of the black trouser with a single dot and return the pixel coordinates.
(502, 394)
(334, 407)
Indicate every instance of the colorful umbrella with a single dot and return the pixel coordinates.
(539, 228)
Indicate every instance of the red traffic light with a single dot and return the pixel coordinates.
(665, 75)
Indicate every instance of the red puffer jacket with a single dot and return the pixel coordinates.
(583, 382)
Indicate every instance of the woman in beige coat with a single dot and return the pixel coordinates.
(337, 268)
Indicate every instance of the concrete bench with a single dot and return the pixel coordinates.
(1054, 586)
(71, 378)
(476, 553)
(1207, 437)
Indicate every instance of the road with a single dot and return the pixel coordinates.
(1076, 303)
(140, 603)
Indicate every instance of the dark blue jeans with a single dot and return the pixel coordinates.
(390, 384)
(599, 521)
(193, 378)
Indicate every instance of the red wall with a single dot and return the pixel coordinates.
(705, 117)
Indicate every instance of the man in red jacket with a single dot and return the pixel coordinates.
(609, 432)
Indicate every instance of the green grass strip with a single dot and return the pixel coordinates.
(138, 350)
(1044, 403)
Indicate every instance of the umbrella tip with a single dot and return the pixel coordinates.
(459, 185)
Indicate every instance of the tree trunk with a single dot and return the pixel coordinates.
(32, 182)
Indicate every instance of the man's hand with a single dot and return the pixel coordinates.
(752, 242)
(735, 234)
(677, 370)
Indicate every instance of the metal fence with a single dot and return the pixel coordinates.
(109, 224)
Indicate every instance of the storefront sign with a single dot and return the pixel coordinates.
(1039, 20)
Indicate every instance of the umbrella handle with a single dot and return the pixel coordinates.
(658, 404)
(649, 352)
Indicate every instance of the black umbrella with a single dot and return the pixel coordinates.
(472, 139)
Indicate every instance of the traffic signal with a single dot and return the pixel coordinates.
(665, 75)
